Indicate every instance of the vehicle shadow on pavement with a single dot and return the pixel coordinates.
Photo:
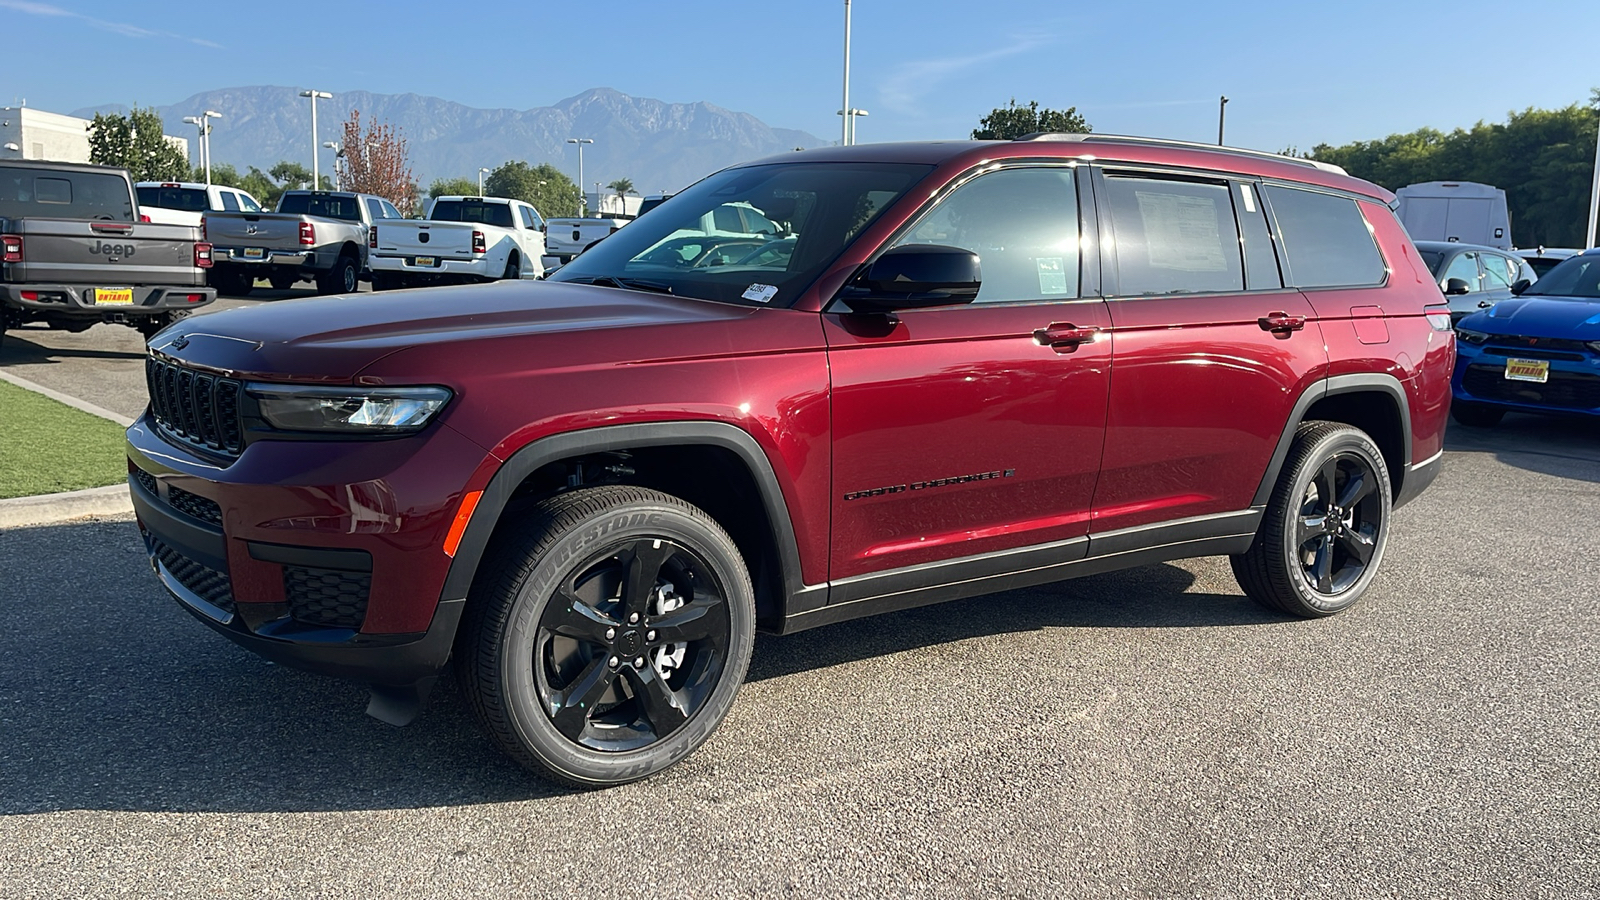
(19, 351)
(1548, 445)
(1153, 596)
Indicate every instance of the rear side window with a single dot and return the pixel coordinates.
(230, 201)
(1174, 237)
(1325, 239)
(63, 195)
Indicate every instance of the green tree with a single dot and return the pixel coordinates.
(1012, 121)
(138, 143)
(453, 187)
(623, 187)
(545, 186)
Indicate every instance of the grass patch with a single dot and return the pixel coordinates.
(48, 447)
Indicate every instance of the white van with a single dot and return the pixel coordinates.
(1458, 211)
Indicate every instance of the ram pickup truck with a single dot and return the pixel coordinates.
(186, 203)
(565, 238)
(980, 366)
(319, 236)
(463, 240)
(74, 252)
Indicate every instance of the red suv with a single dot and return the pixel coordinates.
(957, 368)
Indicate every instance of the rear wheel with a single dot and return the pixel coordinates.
(607, 635)
(1325, 528)
(282, 282)
(232, 281)
(343, 278)
(513, 268)
(1476, 415)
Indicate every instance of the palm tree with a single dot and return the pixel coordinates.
(623, 187)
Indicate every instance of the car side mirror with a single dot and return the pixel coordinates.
(915, 276)
(1454, 287)
(1521, 285)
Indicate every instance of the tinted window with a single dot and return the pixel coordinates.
(325, 205)
(374, 209)
(64, 195)
(527, 217)
(1325, 239)
(472, 211)
(1260, 260)
(1543, 265)
(230, 202)
(1576, 277)
(1497, 272)
(1174, 237)
(1464, 267)
(186, 199)
(726, 218)
(1022, 223)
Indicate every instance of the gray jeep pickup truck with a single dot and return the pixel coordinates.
(319, 236)
(74, 252)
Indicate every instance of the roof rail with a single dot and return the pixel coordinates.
(1192, 145)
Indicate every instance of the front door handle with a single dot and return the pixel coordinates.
(1064, 337)
(1281, 322)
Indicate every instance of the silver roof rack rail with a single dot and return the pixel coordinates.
(1167, 142)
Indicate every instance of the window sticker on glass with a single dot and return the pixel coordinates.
(760, 293)
(1052, 275)
(1249, 197)
(1181, 232)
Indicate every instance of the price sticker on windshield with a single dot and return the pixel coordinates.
(760, 293)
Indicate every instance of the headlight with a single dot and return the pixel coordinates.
(379, 410)
(1595, 346)
(1471, 337)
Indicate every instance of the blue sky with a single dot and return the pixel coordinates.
(1296, 73)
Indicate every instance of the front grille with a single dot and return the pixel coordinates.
(1520, 342)
(327, 596)
(1564, 390)
(195, 506)
(203, 581)
(197, 408)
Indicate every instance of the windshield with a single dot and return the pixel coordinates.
(1576, 277)
(472, 211)
(708, 241)
(186, 199)
(327, 206)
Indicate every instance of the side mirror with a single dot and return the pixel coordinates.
(914, 276)
(1521, 285)
(1454, 287)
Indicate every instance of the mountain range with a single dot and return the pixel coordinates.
(659, 145)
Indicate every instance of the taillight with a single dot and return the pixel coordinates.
(372, 237)
(478, 245)
(308, 234)
(1438, 316)
(143, 217)
(202, 255)
(11, 248)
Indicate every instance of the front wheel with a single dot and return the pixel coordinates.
(1323, 534)
(608, 634)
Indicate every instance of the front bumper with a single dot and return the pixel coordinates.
(78, 300)
(1572, 386)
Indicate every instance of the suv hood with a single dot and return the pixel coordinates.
(1572, 318)
(331, 339)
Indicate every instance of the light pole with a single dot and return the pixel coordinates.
(316, 174)
(1222, 116)
(582, 204)
(338, 176)
(481, 173)
(205, 139)
(850, 115)
(599, 202)
(199, 124)
(844, 107)
(1594, 198)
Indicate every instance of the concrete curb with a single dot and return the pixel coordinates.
(49, 509)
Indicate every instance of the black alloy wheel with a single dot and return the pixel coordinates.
(1340, 518)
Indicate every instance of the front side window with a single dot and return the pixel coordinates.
(1464, 267)
(696, 246)
(1325, 239)
(1174, 237)
(1497, 272)
(389, 211)
(249, 203)
(1022, 223)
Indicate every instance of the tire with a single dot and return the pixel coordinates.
(232, 282)
(520, 655)
(282, 282)
(343, 278)
(383, 281)
(1476, 415)
(513, 270)
(1305, 561)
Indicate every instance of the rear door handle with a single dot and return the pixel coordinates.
(1064, 337)
(1281, 322)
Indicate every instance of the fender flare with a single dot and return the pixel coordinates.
(1329, 387)
(524, 462)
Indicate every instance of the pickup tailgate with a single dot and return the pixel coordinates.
(411, 238)
(73, 251)
(276, 231)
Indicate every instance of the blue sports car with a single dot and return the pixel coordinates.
(1538, 352)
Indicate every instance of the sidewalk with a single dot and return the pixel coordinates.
(49, 509)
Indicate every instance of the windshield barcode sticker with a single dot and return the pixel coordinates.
(760, 293)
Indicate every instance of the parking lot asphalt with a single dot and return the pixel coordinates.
(1145, 733)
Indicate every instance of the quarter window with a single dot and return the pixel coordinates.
(1022, 223)
(1174, 237)
(1325, 239)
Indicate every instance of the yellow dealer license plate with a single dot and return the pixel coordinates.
(1528, 370)
(113, 296)
(255, 253)
(424, 261)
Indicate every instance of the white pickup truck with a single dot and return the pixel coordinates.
(464, 239)
(185, 203)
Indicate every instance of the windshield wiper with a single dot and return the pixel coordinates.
(627, 283)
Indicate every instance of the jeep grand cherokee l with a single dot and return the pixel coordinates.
(981, 365)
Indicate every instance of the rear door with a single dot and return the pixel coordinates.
(1210, 349)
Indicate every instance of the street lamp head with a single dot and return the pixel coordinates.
(321, 95)
(580, 140)
(13, 147)
(212, 114)
(483, 171)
